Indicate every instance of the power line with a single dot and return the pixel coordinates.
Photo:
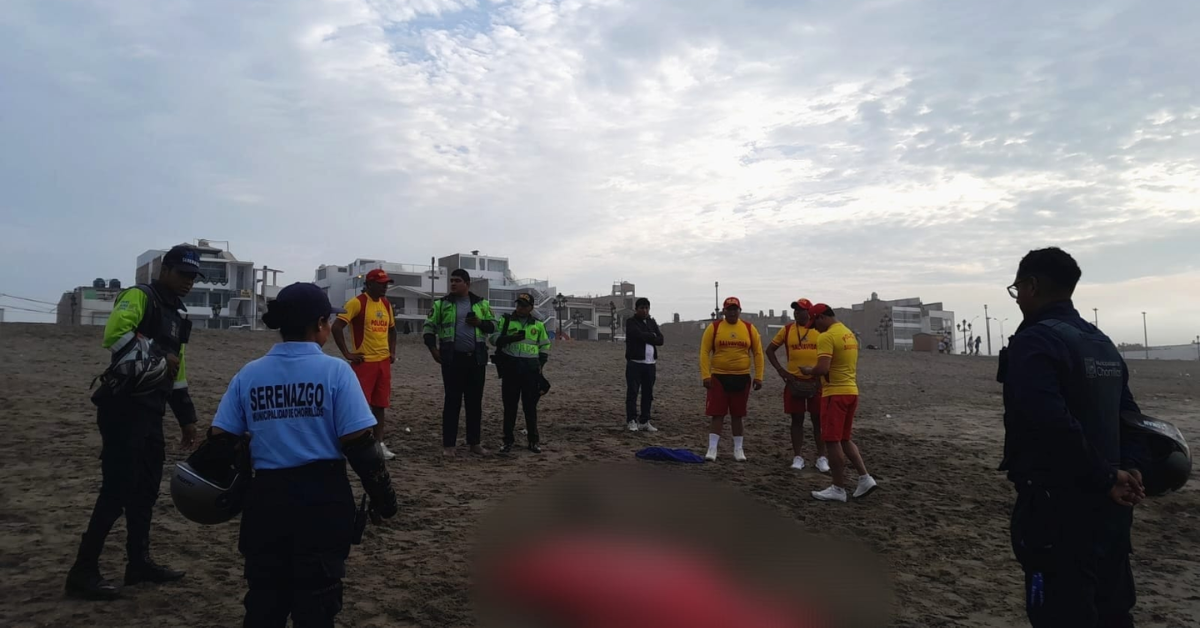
(13, 296)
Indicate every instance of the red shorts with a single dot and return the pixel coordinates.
(720, 402)
(811, 405)
(376, 381)
(837, 417)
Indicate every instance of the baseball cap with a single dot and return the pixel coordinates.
(299, 304)
(183, 258)
(732, 301)
(819, 309)
(378, 276)
(525, 298)
(801, 304)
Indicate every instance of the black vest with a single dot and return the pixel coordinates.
(163, 323)
(1092, 389)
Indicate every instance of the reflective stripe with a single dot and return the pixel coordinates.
(179, 384)
(122, 341)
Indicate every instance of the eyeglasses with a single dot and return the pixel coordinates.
(1013, 289)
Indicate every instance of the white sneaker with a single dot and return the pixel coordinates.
(823, 464)
(633, 426)
(711, 456)
(798, 463)
(387, 453)
(831, 494)
(647, 427)
(866, 484)
(739, 454)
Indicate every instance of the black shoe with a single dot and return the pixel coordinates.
(507, 448)
(147, 570)
(86, 583)
(534, 448)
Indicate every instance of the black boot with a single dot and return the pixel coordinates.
(146, 570)
(84, 580)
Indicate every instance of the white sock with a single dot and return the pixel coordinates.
(713, 439)
(737, 442)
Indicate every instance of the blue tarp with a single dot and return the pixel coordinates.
(663, 454)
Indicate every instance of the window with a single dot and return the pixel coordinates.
(605, 320)
(468, 263)
(196, 298)
(497, 265)
(425, 305)
(214, 272)
(321, 274)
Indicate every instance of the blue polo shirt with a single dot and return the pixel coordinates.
(295, 402)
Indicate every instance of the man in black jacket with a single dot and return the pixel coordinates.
(642, 340)
(1076, 474)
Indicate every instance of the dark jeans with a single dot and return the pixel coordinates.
(1074, 550)
(296, 533)
(520, 385)
(131, 464)
(463, 378)
(639, 376)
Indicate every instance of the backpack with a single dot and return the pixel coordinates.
(357, 326)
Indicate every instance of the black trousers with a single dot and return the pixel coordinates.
(463, 379)
(520, 385)
(296, 532)
(1074, 550)
(131, 464)
(639, 377)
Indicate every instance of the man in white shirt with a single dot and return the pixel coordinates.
(642, 340)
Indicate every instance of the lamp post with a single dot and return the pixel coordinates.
(560, 305)
(216, 310)
(1003, 338)
(1096, 316)
(987, 322)
(1198, 347)
(433, 277)
(885, 326)
(577, 320)
(716, 297)
(1145, 336)
(612, 323)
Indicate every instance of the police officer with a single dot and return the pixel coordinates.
(130, 418)
(306, 416)
(523, 350)
(1076, 474)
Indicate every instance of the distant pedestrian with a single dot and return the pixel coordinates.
(838, 365)
(726, 351)
(642, 340)
(372, 323)
(977, 341)
(456, 334)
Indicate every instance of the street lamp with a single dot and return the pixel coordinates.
(885, 325)
(612, 323)
(1198, 347)
(1096, 315)
(987, 323)
(1145, 336)
(1003, 339)
(560, 304)
(578, 320)
(216, 310)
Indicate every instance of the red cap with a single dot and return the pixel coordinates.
(818, 310)
(732, 301)
(801, 304)
(378, 276)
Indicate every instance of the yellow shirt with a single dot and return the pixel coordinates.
(801, 347)
(733, 350)
(839, 343)
(370, 333)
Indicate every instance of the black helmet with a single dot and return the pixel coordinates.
(204, 501)
(1168, 461)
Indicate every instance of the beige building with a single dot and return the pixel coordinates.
(88, 305)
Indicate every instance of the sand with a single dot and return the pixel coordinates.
(938, 523)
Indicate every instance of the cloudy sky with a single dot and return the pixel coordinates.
(783, 148)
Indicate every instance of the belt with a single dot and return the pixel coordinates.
(319, 467)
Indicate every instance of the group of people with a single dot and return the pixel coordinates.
(300, 417)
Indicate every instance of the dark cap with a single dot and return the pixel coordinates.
(183, 258)
(524, 299)
(299, 304)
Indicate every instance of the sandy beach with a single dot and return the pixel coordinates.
(938, 523)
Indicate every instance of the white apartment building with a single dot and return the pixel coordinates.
(226, 296)
(88, 305)
(411, 295)
(493, 279)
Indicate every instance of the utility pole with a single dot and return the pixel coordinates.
(716, 295)
(987, 324)
(1145, 336)
(433, 276)
(1096, 316)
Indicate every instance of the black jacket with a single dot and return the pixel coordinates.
(638, 334)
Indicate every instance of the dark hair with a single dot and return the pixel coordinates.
(641, 302)
(462, 274)
(291, 327)
(1051, 265)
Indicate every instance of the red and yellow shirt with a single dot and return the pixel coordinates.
(372, 340)
(841, 346)
(731, 351)
(801, 344)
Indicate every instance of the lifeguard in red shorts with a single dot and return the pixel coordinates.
(837, 364)
(373, 325)
(726, 351)
(801, 393)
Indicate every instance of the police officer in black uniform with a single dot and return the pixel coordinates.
(130, 417)
(1076, 473)
(306, 416)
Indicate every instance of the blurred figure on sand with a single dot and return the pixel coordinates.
(642, 340)
(147, 334)
(373, 325)
(726, 350)
(456, 334)
(801, 393)
(1076, 473)
(837, 364)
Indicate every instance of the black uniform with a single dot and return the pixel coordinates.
(133, 449)
(639, 376)
(1065, 385)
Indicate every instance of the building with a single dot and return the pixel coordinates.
(411, 295)
(493, 279)
(596, 317)
(226, 296)
(893, 324)
(88, 305)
